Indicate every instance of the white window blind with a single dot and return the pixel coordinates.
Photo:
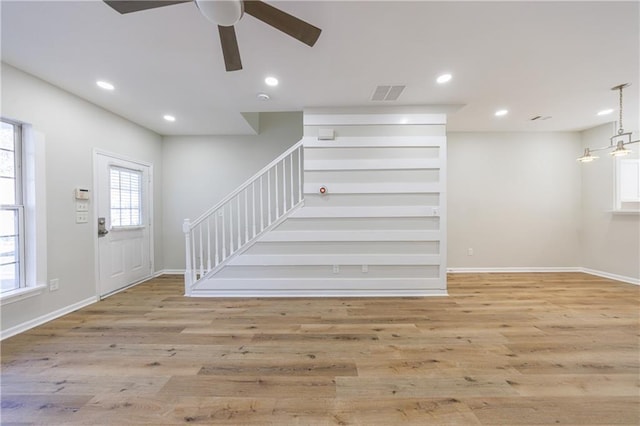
(126, 197)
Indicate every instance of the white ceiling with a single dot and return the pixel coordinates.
(532, 58)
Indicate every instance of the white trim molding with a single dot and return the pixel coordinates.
(20, 328)
(169, 272)
(21, 294)
(616, 277)
(515, 270)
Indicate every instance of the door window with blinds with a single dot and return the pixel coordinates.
(126, 197)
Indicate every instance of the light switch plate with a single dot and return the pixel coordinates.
(82, 217)
(82, 206)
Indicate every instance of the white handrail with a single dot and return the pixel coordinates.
(245, 184)
(236, 216)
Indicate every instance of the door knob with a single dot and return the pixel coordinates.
(102, 228)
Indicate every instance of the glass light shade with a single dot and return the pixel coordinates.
(620, 150)
(586, 157)
(221, 12)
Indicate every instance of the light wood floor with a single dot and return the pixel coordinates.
(501, 349)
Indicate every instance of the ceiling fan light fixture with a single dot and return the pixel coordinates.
(221, 12)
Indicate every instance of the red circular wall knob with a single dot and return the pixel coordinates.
(323, 189)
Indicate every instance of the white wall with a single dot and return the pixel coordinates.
(198, 171)
(72, 128)
(515, 199)
(610, 242)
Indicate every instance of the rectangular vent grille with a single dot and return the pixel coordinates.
(541, 117)
(387, 93)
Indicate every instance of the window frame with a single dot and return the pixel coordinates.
(141, 212)
(620, 205)
(33, 214)
(18, 207)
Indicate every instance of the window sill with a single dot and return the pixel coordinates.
(20, 294)
(625, 212)
(126, 228)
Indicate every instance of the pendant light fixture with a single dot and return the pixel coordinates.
(618, 142)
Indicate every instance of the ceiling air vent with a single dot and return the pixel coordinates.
(387, 93)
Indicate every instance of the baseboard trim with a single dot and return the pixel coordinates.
(28, 325)
(169, 272)
(316, 293)
(616, 277)
(515, 270)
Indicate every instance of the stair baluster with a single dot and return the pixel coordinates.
(230, 227)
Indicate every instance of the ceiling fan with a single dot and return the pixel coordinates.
(226, 13)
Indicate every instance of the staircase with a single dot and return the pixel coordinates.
(378, 230)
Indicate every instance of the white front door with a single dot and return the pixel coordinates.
(123, 231)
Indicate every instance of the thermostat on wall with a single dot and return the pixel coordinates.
(81, 194)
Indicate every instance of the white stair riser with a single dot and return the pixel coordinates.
(321, 235)
(322, 284)
(350, 259)
(324, 248)
(326, 272)
(359, 224)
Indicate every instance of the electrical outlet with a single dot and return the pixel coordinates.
(336, 269)
(54, 285)
(469, 252)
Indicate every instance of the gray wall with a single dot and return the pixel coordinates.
(72, 128)
(610, 242)
(514, 198)
(198, 171)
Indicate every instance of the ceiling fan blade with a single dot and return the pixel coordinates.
(230, 49)
(289, 24)
(126, 6)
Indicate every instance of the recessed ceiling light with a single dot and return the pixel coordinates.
(271, 81)
(501, 112)
(169, 118)
(263, 96)
(105, 85)
(605, 112)
(443, 78)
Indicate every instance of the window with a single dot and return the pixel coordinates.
(23, 227)
(12, 208)
(627, 184)
(126, 197)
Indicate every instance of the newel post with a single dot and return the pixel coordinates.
(188, 276)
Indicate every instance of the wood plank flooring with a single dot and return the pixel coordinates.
(502, 349)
